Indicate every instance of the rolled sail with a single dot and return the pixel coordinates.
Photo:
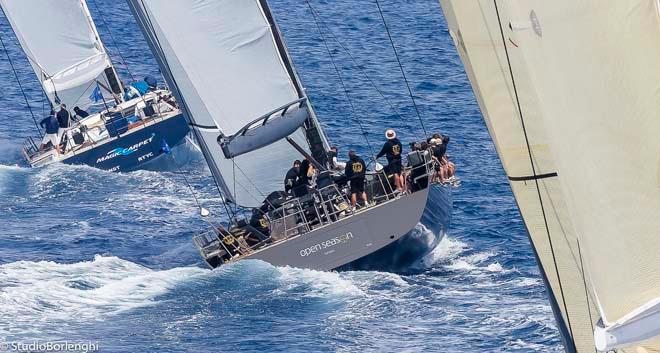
(62, 45)
(569, 90)
(228, 66)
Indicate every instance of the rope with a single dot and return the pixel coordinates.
(27, 102)
(355, 63)
(112, 39)
(403, 73)
(531, 160)
(341, 80)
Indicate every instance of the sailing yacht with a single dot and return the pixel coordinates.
(570, 93)
(65, 51)
(228, 66)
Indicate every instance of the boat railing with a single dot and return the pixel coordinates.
(30, 148)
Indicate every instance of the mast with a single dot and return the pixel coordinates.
(316, 137)
(229, 69)
(568, 89)
(110, 72)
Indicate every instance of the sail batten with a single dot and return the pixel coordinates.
(67, 56)
(226, 61)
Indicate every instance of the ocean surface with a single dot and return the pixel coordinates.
(87, 255)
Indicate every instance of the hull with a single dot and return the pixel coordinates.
(418, 242)
(345, 244)
(132, 150)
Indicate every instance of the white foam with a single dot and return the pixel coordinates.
(46, 291)
(310, 283)
(448, 249)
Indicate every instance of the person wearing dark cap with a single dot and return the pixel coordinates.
(392, 149)
(291, 178)
(356, 171)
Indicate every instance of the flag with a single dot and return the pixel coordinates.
(96, 94)
(164, 147)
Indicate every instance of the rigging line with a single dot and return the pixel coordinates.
(403, 72)
(27, 102)
(341, 80)
(355, 62)
(586, 293)
(112, 38)
(531, 160)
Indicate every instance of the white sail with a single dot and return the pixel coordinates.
(586, 81)
(62, 45)
(224, 60)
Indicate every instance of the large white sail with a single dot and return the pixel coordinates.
(569, 88)
(225, 61)
(62, 45)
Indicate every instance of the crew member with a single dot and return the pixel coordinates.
(80, 114)
(306, 173)
(333, 162)
(64, 119)
(291, 178)
(392, 150)
(52, 126)
(355, 172)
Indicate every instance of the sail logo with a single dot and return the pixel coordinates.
(125, 151)
(342, 239)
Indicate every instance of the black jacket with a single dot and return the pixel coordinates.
(355, 168)
(63, 117)
(392, 150)
(291, 179)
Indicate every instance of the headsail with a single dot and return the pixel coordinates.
(569, 90)
(228, 66)
(63, 47)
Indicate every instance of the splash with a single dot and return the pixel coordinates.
(43, 292)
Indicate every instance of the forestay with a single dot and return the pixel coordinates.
(223, 61)
(62, 45)
(569, 90)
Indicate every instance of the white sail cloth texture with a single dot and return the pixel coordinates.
(224, 59)
(570, 91)
(62, 46)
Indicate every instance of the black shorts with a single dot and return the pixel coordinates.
(395, 167)
(357, 186)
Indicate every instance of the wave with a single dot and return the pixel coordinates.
(32, 292)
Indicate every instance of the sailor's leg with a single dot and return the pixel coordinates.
(353, 199)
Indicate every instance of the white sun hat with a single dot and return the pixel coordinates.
(390, 134)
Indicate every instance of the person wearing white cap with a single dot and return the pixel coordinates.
(392, 149)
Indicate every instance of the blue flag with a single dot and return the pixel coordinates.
(96, 94)
(164, 147)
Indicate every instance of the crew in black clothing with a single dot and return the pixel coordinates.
(305, 173)
(392, 149)
(355, 171)
(80, 114)
(291, 178)
(63, 118)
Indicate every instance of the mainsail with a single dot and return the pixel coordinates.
(62, 45)
(569, 91)
(228, 66)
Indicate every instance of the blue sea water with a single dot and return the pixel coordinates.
(87, 255)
